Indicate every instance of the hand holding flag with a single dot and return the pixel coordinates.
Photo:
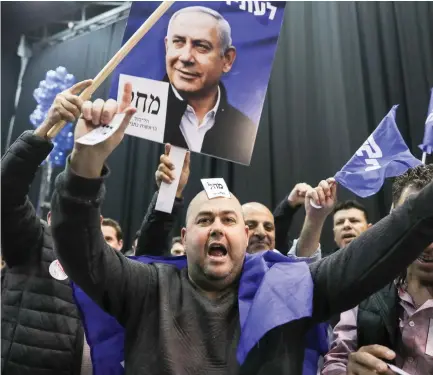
(384, 154)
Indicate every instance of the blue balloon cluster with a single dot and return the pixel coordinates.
(55, 82)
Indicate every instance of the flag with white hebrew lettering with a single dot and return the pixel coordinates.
(427, 143)
(384, 154)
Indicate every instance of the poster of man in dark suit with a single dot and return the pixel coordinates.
(200, 75)
(199, 51)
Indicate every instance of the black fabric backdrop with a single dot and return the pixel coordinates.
(338, 70)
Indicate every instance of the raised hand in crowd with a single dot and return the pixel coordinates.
(66, 107)
(156, 231)
(88, 161)
(297, 195)
(368, 360)
(324, 195)
(166, 171)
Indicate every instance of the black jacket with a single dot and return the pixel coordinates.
(146, 300)
(378, 318)
(232, 137)
(41, 327)
(156, 230)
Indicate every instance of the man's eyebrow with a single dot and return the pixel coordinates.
(211, 213)
(229, 212)
(205, 41)
(205, 213)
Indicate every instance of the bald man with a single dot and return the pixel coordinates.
(187, 321)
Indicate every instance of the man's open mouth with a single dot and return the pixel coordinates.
(217, 250)
(348, 236)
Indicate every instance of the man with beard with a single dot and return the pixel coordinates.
(188, 321)
(394, 324)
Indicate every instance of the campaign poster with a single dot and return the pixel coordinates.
(200, 75)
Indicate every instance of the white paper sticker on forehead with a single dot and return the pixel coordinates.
(215, 187)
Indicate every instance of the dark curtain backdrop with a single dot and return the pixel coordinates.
(338, 70)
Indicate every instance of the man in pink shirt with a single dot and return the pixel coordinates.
(394, 325)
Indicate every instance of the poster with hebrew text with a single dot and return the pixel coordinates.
(200, 75)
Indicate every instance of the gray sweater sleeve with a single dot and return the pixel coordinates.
(344, 279)
(117, 284)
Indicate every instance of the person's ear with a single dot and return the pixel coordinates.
(229, 59)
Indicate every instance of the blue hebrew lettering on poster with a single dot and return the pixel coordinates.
(201, 83)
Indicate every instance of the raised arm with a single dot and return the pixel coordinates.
(325, 194)
(156, 230)
(109, 278)
(22, 231)
(376, 257)
(284, 213)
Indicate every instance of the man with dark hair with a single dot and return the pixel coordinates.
(394, 324)
(350, 219)
(413, 180)
(177, 248)
(112, 232)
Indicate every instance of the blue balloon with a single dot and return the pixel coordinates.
(51, 77)
(37, 93)
(43, 85)
(69, 80)
(54, 83)
(61, 72)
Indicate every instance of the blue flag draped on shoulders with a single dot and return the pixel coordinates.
(427, 143)
(384, 154)
(266, 276)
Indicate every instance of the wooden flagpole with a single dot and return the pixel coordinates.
(116, 59)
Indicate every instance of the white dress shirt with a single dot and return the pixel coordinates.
(192, 130)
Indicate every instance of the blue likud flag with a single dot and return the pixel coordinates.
(266, 276)
(427, 142)
(384, 154)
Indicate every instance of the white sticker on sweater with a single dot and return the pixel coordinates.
(56, 271)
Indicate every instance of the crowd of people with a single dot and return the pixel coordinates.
(374, 291)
